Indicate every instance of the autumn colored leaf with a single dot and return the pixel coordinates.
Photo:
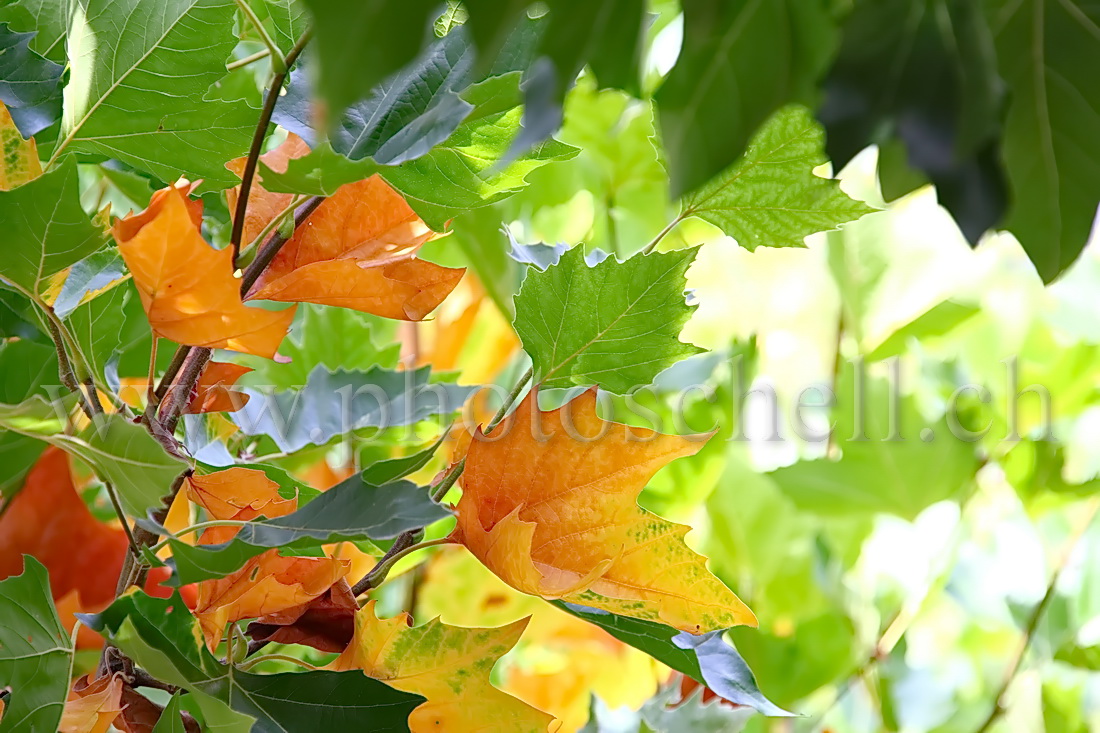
(187, 287)
(326, 623)
(358, 251)
(238, 493)
(127, 227)
(448, 665)
(549, 505)
(267, 584)
(93, 705)
(264, 205)
(47, 519)
(141, 715)
(19, 162)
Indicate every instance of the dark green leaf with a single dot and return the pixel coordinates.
(706, 658)
(361, 42)
(35, 652)
(139, 79)
(30, 86)
(351, 511)
(161, 636)
(45, 229)
(771, 196)
(392, 469)
(741, 60)
(25, 368)
(49, 19)
(1046, 53)
(922, 72)
(170, 720)
(17, 318)
(614, 324)
(335, 403)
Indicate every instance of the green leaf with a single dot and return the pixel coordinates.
(614, 324)
(361, 42)
(338, 338)
(30, 86)
(706, 658)
(48, 18)
(391, 469)
(921, 74)
(335, 403)
(35, 652)
(771, 196)
(404, 118)
(94, 272)
(137, 92)
(170, 720)
(161, 636)
(461, 173)
(25, 368)
(45, 229)
(609, 36)
(128, 457)
(892, 460)
(939, 320)
(741, 60)
(1045, 52)
(287, 20)
(351, 511)
(113, 324)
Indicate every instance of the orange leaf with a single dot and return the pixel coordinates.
(238, 493)
(46, 520)
(326, 623)
(267, 584)
(213, 393)
(357, 250)
(92, 706)
(549, 504)
(187, 287)
(19, 162)
(124, 229)
(448, 665)
(264, 205)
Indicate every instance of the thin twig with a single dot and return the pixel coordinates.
(64, 366)
(999, 707)
(170, 373)
(260, 134)
(180, 395)
(378, 574)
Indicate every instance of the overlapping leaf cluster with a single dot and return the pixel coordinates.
(362, 178)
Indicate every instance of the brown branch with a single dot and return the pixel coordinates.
(258, 137)
(274, 243)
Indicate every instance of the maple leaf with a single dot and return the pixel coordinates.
(187, 287)
(357, 250)
(549, 504)
(326, 623)
(19, 162)
(46, 520)
(267, 584)
(264, 205)
(93, 705)
(448, 665)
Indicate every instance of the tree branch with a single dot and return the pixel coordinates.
(260, 134)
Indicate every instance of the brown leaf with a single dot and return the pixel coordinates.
(93, 705)
(326, 623)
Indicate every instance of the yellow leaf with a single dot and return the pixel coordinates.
(563, 660)
(448, 665)
(92, 706)
(20, 162)
(549, 504)
(187, 287)
(357, 250)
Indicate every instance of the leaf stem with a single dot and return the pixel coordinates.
(198, 527)
(275, 242)
(661, 234)
(278, 64)
(245, 666)
(261, 129)
(117, 504)
(251, 58)
(378, 574)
